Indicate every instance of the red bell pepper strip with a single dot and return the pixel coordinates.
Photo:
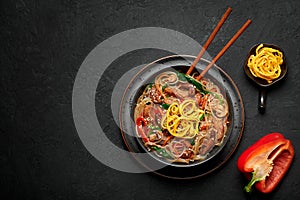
(267, 160)
(141, 123)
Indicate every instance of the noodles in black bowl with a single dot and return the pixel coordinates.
(178, 121)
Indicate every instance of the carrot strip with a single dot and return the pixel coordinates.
(205, 98)
(167, 140)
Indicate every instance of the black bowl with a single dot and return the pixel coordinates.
(259, 81)
(218, 156)
(262, 83)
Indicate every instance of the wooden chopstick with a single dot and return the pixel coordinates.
(231, 41)
(209, 40)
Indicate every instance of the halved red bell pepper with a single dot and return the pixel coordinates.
(267, 160)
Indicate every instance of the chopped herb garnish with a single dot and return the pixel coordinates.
(201, 117)
(181, 76)
(150, 85)
(165, 106)
(150, 126)
(196, 83)
(152, 129)
(161, 152)
(192, 142)
(164, 87)
(155, 148)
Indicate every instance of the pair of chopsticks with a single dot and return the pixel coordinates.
(210, 39)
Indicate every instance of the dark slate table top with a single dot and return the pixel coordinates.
(43, 46)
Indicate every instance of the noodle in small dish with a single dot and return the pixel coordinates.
(265, 64)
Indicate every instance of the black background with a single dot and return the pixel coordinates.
(43, 44)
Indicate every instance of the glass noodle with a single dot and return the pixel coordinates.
(181, 121)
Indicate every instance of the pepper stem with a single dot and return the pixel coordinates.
(253, 180)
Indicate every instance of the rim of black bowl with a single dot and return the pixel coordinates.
(196, 169)
(259, 81)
